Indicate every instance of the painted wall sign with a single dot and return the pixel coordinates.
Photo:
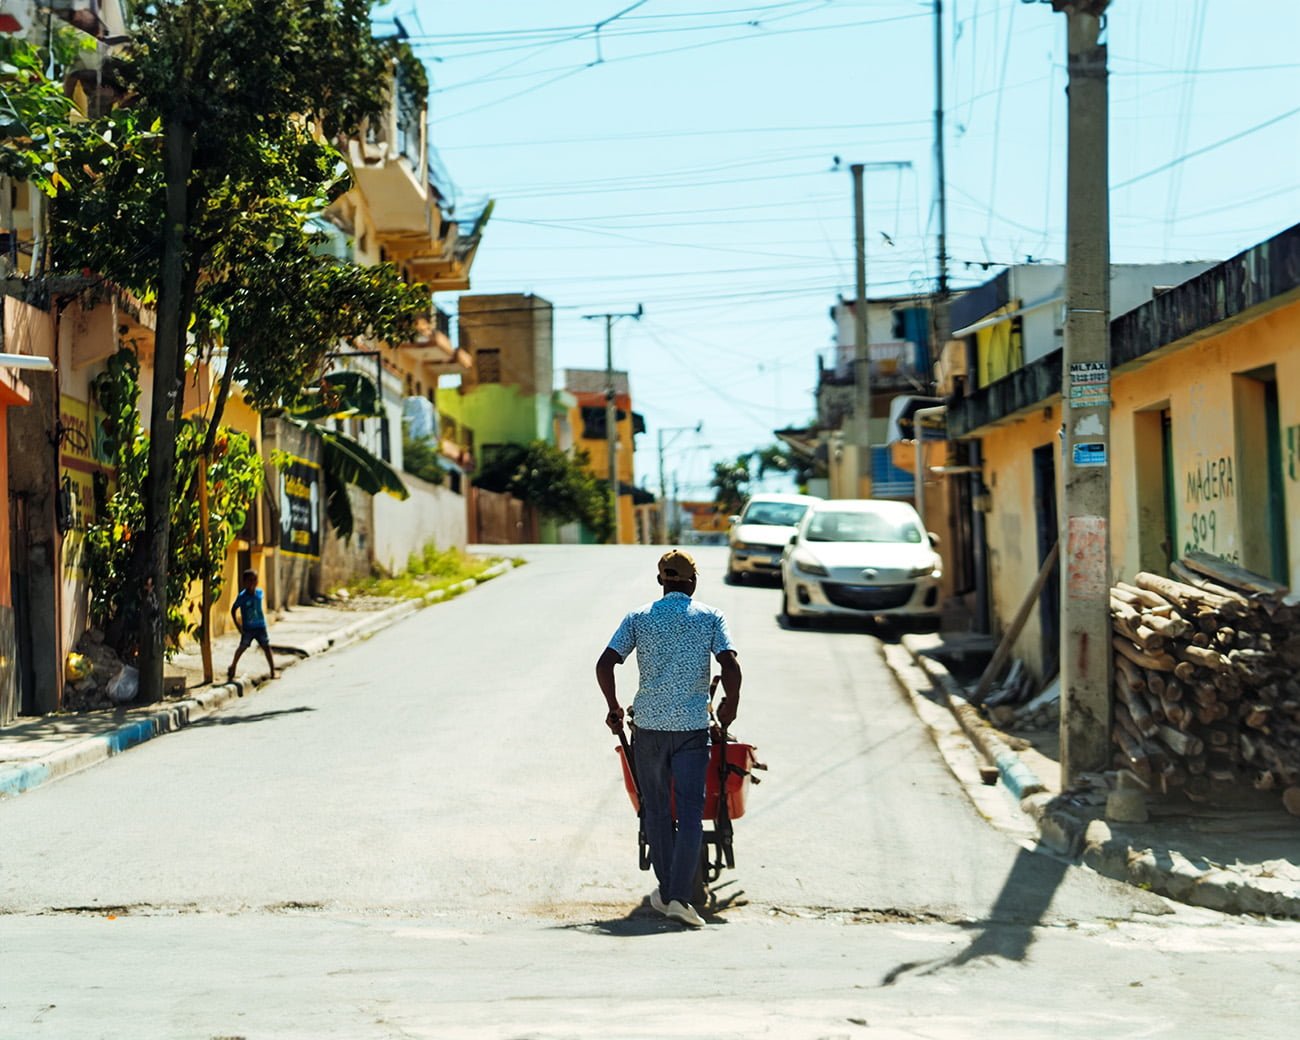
(1089, 453)
(300, 506)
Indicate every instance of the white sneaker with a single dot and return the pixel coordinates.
(685, 913)
(657, 902)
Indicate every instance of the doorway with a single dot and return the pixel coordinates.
(1261, 494)
(1049, 601)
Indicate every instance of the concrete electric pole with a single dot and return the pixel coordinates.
(861, 347)
(1085, 406)
(611, 408)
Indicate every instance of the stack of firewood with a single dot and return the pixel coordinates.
(1207, 679)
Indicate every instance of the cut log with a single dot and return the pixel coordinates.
(1182, 744)
(1152, 599)
(1135, 707)
(1125, 720)
(1225, 638)
(1156, 684)
(1185, 670)
(1240, 603)
(1168, 627)
(1129, 673)
(1155, 662)
(1135, 754)
(1291, 800)
(1188, 597)
(1203, 657)
(1124, 596)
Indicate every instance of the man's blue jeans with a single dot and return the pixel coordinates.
(673, 763)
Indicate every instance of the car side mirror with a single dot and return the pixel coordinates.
(794, 538)
(934, 539)
(734, 519)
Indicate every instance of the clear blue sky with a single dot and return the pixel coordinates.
(681, 158)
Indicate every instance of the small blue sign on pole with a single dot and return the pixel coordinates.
(1090, 453)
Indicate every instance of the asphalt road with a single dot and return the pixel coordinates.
(426, 836)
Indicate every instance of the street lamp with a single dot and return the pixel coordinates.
(663, 480)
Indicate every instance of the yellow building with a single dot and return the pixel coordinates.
(586, 420)
(1204, 440)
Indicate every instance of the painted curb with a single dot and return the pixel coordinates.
(89, 752)
(83, 754)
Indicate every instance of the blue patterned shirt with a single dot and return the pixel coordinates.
(673, 637)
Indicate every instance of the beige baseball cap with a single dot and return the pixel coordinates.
(676, 565)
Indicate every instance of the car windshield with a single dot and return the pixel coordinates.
(774, 514)
(860, 527)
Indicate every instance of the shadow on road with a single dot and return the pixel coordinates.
(260, 716)
(1008, 930)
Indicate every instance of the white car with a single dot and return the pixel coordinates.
(759, 534)
(860, 558)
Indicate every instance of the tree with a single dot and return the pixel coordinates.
(560, 486)
(223, 154)
(731, 483)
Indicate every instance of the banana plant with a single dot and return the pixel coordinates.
(345, 460)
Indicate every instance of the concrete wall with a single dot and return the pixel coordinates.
(432, 514)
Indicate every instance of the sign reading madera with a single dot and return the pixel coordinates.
(300, 501)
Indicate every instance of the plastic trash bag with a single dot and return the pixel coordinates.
(125, 685)
(77, 667)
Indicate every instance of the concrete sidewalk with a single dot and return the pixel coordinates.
(36, 751)
(1239, 859)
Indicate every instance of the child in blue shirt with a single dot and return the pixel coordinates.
(246, 613)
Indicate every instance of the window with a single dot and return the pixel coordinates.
(487, 364)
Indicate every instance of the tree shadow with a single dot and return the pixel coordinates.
(260, 716)
(1007, 931)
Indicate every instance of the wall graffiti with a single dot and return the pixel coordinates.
(1211, 480)
(1208, 483)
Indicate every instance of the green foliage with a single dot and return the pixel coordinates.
(345, 461)
(560, 486)
(420, 459)
(731, 480)
(731, 483)
(427, 571)
(234, 481)
(35, 125)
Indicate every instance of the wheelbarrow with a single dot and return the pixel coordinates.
(731, 772)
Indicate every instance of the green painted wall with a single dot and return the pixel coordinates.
(499, 414)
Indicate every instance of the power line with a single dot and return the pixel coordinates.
(1206, 148)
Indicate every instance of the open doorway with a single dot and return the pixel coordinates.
(1261, 500)
(1049, 601)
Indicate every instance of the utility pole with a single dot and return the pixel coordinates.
(663, 481)
(941, 179)
(1085, 405)
(861, 348)
(611, 408)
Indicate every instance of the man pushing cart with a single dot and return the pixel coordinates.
(674, 638)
